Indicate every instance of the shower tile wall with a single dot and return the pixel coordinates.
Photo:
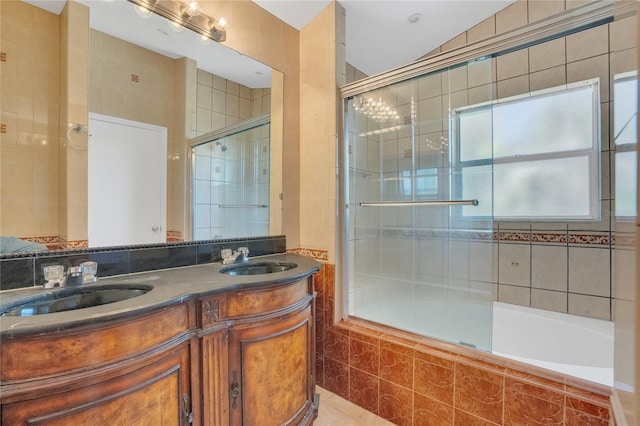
(563, 266)
(240, 173)
(221, 103)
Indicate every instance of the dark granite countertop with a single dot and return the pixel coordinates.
(170, 286)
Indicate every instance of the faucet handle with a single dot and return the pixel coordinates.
(244, 250)
(224, 253)
(53, 275)
(89, 271)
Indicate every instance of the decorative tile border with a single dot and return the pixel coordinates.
(549, 237)
(320, 255)
(76, 244)
(584, 239)
(177, 235)
(573, 238)
(52, 242)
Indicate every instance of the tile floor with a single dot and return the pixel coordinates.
(336, 411)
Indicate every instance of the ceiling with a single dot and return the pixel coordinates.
(379, 35)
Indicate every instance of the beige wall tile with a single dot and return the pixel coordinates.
(549, 300)
(512, 64)
(623, 33)
(550, 77)
(590, 306)
(597, 66)
(624, 270)
(547, 55)
(513, 86)
(514, 264)
(514, 294)
(588, 43)
(512, 16)
(589, 271)
(549, 267)
(484, 29)
(540, 9)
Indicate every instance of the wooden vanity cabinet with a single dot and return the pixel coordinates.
(237, 357)
(135, 372)
(258, 361)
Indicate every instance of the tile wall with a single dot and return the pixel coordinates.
(221, 102)
(29, 115)
(236, 176)
(240, 173)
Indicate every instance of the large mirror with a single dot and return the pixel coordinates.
(139, 68)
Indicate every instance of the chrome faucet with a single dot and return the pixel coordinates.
(86, 272)
(229, 256)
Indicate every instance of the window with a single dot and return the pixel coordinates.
(538, 155)
(625, 136)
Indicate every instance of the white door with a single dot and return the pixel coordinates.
(127, 198)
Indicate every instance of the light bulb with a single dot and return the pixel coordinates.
(142, 12)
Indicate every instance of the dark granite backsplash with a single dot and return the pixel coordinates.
(25, 270)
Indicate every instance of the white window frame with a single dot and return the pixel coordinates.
(622, 148)
(593, 154)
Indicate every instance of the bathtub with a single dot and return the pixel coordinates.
(568, 344)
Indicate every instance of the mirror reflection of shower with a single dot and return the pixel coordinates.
(222, 146)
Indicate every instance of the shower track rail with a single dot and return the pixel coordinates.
(420, 203)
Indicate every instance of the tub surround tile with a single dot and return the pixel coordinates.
(364, 390)
(434, 381)
(429, 412)
(395, 403)
(364, 356)
(396, 367)
(336, 346)
(336, 377)
(479, 392)
(465, 419)
(530, 404)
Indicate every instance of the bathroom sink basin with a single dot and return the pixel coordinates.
(257, 268)
(72, 298)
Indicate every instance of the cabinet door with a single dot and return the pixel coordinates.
(156, 394)
(271, 371)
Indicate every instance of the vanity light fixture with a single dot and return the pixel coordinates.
(187, 14)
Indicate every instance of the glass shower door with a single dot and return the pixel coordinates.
(418, 261)
(230, 184)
